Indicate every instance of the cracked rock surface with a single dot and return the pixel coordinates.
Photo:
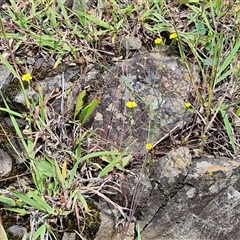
(159, 84)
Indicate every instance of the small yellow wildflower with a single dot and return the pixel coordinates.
(26, 77)
(187, 105)
(158, 41)
(131, 104)
(173, 35)
(149, 146)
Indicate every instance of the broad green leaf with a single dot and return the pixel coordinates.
(79, 103)
(64, 13)
(188, 1)
(88, 110)
(12, 115)
(225, 75)
(73, 171)
(201, 30)
(97, 165)
(89, 156)
(25, 236)
(124, 161)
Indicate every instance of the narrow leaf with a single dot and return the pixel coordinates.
(83, 201)
(88, 110)
(229, 59)
(40, 233)
(7, 201)
(110, 166)
(228, 129)
(79, 103)
(20, 211)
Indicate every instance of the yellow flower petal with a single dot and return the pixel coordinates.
(131, 104)
(173, 35)
(27, 77)
(188, 105)
(158, 41)
(149, 146)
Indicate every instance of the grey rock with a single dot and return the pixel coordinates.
(16, 231)
(205, 207)
(107, 229)
(159, 84)
(50, 84)
(5, 76)
(21, 122)
(157, 183)
(19, 99)
(112, 224)
(69, 236)
(5, 163)
(171, 169)
(131, 43)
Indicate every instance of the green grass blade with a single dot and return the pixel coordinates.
(41, 202)
(7, 201)
(229, 129)
(3, 234)
(12, 115)
(64, 13)
(20, 211)
(83, 201)
(40, 233)
(228, 60)
(138, 233)
(98, 22)
(37, 202)
(98, 154)
(110, 166)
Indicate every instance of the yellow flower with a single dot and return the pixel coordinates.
(149, 146)
(188, 105)
(158, 41)
(131, 104)
(26, 77)
(173, 35)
